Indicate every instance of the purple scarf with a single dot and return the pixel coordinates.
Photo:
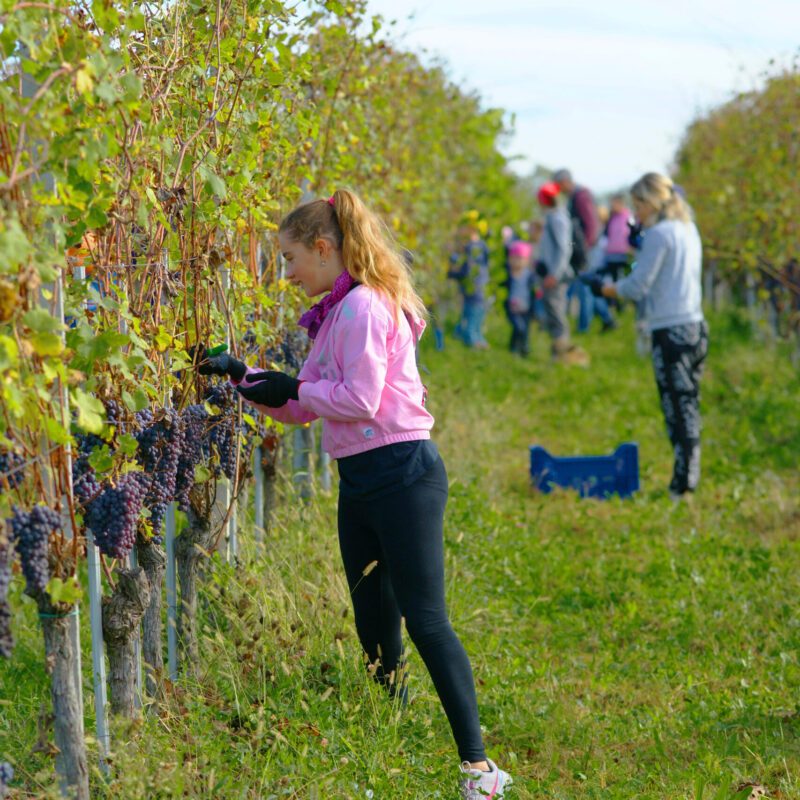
(315, 316)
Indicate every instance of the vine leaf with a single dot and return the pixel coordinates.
(90, 411)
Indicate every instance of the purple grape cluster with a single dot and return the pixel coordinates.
(161, 443)
(11, 469)
(144, 417)
(87, 443)
(195, 420)
(224, 428)
(291, 352)
(85, 486)
(6, 639)
(31, 533)
(113, 412)
(113, 514)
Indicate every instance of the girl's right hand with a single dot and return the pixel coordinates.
(271, 388)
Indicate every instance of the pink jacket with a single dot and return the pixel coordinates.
(617, 233)
(361, 377)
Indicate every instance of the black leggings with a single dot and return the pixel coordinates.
(403, 532)
(678, 356)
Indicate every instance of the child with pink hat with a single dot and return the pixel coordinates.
(520, 287)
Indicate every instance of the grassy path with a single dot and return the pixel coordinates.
(622, 649)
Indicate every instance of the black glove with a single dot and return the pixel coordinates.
(594, 282)
(541, 269)
(223, 364)
(272, 389)
(634, 233)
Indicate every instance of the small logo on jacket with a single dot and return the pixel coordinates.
(369, 433)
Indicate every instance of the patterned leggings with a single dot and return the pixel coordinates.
(678, 356)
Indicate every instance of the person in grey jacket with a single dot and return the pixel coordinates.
(667, 276)
(552, 266)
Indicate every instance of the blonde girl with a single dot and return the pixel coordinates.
(667, 275)
(361, 378)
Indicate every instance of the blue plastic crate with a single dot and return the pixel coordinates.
(592, 476)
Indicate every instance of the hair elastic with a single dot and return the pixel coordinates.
(330, 201)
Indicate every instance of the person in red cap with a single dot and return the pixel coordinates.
(553, 267)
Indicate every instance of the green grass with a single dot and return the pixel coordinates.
(621, 649)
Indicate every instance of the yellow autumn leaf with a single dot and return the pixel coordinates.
(83, 81)
(47, 344)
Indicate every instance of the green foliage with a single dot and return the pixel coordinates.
(738, 164)
(621, 649)
(158, 147)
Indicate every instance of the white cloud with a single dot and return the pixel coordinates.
(607, 89)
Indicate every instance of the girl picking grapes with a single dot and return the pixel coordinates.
(361, 378)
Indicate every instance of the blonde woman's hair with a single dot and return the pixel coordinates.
(368, 250)
(660, 192)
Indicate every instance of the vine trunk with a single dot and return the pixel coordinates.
(122, 613)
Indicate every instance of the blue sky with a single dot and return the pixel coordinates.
(605, 88)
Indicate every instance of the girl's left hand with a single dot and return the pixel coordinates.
(272, 389)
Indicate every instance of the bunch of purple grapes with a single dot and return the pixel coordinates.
(291, 352)
(144, 417)
(195, 421)
(6, 639)
(224, 427)
(11, 469)
(295, 350)
(112, 516)
(85, 485)
(161, 444)
(113, 412)
(31, 533)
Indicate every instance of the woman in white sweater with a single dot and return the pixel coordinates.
(667, 275)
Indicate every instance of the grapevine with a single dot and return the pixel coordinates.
(6, 639)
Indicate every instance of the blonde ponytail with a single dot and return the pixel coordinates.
(660, 192)
(367, 247)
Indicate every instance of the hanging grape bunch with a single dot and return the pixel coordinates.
(224, 427)
(113, 412)
(161, 443)
(85, 485)
(11, 469)
(31, 533)
(290, 353)
(113, 515)
(6, 640)
(294, 348)
(195, 421)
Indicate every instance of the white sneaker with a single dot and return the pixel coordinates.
(476, 785)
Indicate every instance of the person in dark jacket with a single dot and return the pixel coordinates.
(553, 267)
(586, 228)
